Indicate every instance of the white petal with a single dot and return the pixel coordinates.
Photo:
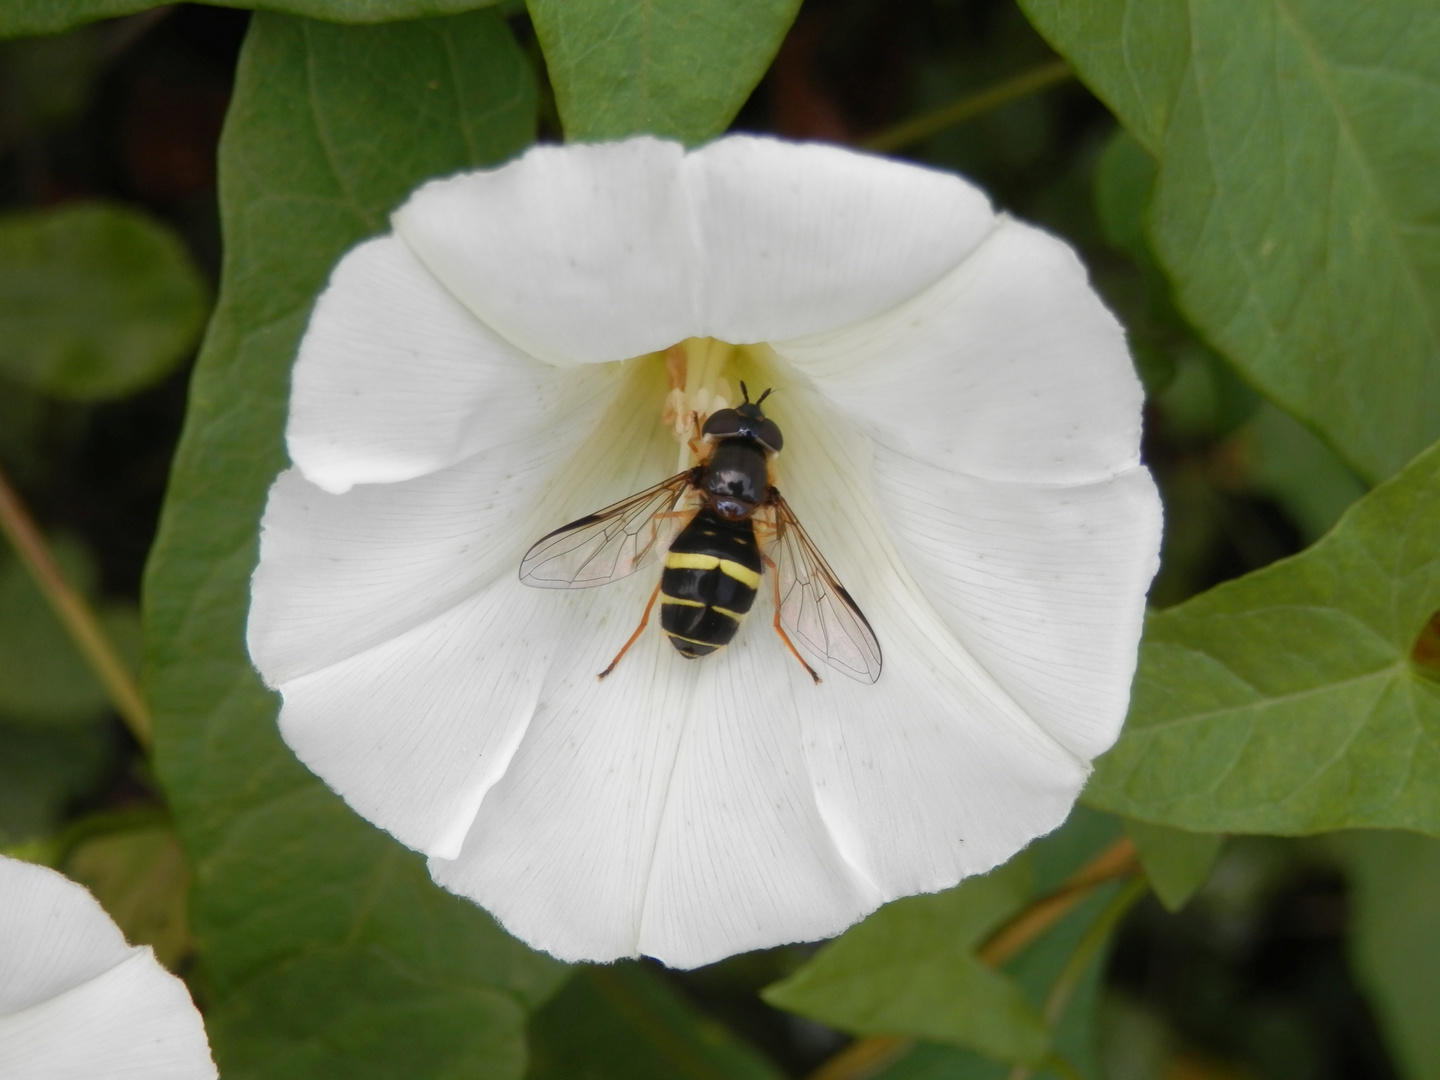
(77, 1003)
(414, 731)
(339, 574)
(1009, 368)
(936, 771)
(935, 777)
(575, 254)
(797, 239)
(744, 859)
(562, 850)
(53, 935)
(133, 1022)
(667, 810)
(588, 253)
(393, 621)
(1044, 585)
(396, 379)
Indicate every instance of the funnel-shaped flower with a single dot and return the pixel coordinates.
(76, 1002)
(961, 430)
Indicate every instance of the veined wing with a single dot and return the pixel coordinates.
(814, 606)
(609, 544)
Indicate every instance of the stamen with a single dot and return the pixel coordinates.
(700, 372)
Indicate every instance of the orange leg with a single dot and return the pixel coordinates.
(775, 581)
(644, 619)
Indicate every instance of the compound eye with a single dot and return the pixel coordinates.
(724, 422)
(769, 434)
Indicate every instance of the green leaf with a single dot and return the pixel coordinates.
(675, 68)
(1288, 462)
(1288, 701)
(1395, 939)
(26, 18)
(96, 301)
(622, 1022)
(364, 1014)
(327, 949)
(1295, 206)
(1176, 862)
(1124, 181)
(142, 881)
(911, 969)
(1074, 1038)
(1038, 966)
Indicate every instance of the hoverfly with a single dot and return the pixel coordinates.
(715, 564)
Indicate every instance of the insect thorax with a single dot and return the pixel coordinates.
(736, 478)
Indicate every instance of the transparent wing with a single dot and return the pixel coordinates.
(814, 607)
(609, 544)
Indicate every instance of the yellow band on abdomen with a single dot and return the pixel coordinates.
(694, 641)
(742, 574)
(679, 601)
(689, 560)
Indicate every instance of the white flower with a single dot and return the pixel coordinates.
(961, 426)
(76, 1002)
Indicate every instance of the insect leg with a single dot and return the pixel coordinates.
(694, 443)
(775, 581)
(644, 619)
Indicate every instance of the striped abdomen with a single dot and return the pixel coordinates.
(712, 572)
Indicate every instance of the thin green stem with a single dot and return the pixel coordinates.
(929, 123)
(1078, 963)
(1118, 860)
(1096, 935)
(74, 613)
(864, 1058)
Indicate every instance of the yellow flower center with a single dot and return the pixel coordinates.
(704, 377)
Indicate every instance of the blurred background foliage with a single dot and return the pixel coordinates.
(1264, 957)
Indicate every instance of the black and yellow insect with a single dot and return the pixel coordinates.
(715, 565)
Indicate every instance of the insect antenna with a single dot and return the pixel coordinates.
(758, 400)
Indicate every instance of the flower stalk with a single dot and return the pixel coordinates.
(921, 127)
(74, 613)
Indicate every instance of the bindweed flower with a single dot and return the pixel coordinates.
(532, 343)
(76, 1002)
